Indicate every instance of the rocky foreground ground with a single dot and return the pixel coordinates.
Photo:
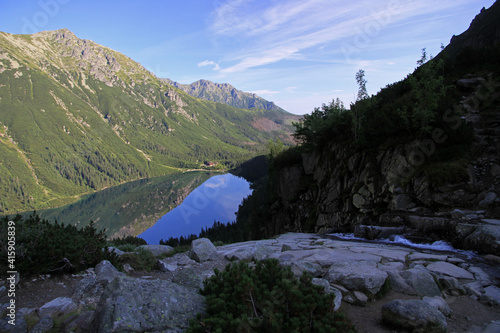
(382, 288)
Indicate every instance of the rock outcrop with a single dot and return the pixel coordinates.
(337, 188)
(106, 300)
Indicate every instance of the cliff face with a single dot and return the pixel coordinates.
(339, 189)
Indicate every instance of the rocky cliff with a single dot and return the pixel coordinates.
(226, 94)
(339, 188)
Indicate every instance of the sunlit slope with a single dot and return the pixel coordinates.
(76, 117)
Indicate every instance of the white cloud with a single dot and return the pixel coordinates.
(281, 30)
(209, 63)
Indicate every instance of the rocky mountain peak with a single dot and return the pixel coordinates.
(226, 94)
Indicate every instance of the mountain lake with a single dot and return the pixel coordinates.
(158, 208)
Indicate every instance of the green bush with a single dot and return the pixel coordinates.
(140, 260)
(266, 298)
(43, 247)
(128, 240)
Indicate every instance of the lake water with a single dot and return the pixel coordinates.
(217, 199)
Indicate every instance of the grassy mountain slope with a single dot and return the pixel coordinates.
(76, 117)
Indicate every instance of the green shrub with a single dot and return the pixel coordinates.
(126, 247)
(128, 240)
(140, 260)
(266, 298)
(44, 247)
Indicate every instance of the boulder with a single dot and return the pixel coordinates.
(88, 291)
(414, 316)
(138, 305)
(438, 303)
(157, 250)
(106, 271)
(445, 268)
(357, 275)
(203, 250)
(58, 307)
(414, 281)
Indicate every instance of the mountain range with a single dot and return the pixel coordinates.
(226, 94)
(76, 117)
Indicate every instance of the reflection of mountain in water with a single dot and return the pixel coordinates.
(130, 208)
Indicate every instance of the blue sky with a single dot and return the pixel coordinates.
(297, 53)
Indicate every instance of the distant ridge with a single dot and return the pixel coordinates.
(226, 94)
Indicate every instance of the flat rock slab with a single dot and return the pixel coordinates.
(425, 256)
(446, 268)
(359, 275)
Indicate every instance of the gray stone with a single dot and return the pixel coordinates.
(106, 271)
(82, 323)
(247, 252)
(337, 302)
(166, 267)
(493, 327)
(189, 278)
(402, 202)
(452, 285)
(360, 298)
(489, 198)
(457, 214)
(136, 305)
(127, 268)
(414, 281)
(414, 315)
(426, 256)
(56, 307)
(438, 303)
(44, 325)
(301, 266)
(203, 250)
(21, 326)
(183, 260)
(157, 250)
(357, 275)
(88, 291)
(474, 289)
(481, 276)
(491, 295)
(446, 268)
(118, 252)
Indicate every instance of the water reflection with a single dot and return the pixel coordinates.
(215, 200)
(130, 208)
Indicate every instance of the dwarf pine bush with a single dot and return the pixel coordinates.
(43, 247)
(266, 298)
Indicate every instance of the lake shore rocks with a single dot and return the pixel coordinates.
(107, 300)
